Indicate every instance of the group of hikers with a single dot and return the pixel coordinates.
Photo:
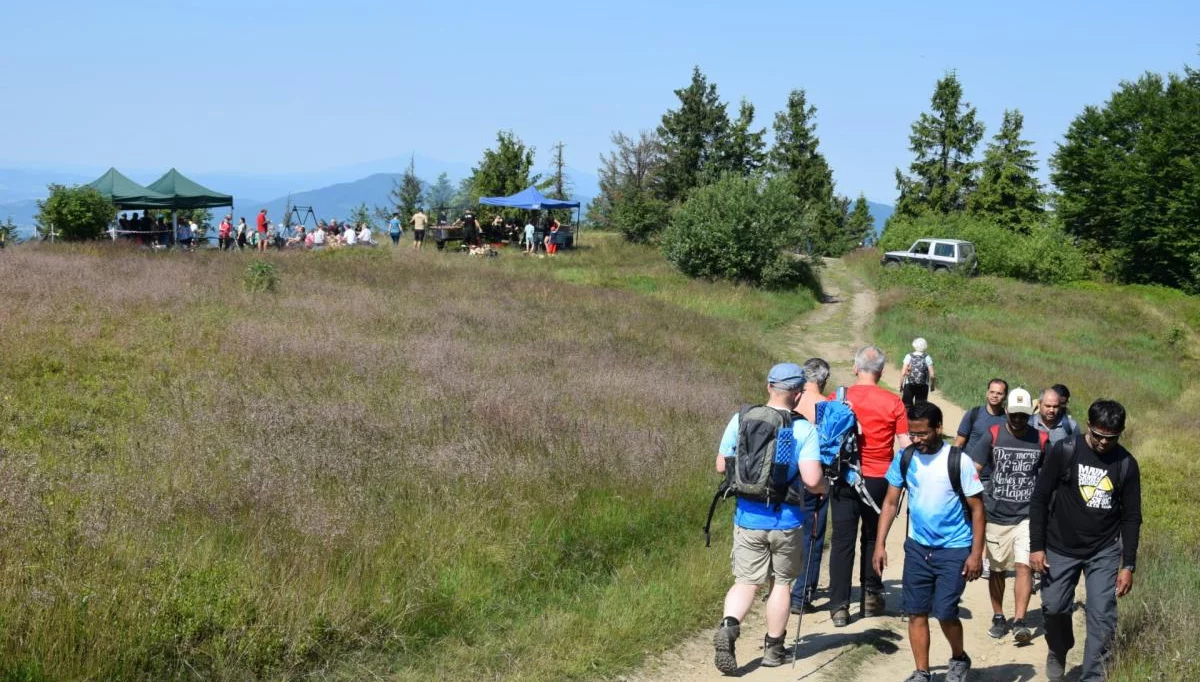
(537, 236)
(1021, 490)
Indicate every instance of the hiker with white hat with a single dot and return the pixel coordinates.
(1011, 453)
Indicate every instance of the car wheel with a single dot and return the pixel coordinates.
(891, 264)
(941, 270)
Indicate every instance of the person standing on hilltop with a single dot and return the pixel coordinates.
(419, 220)
(944, 549)
(261, 226)
(395, 231)
(1013, 453)
(884, 424)
(1085, 517)
(769, 459)
(916, 375)
(1052, 416)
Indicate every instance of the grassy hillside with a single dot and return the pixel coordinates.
(1138, 345)
(402, 464)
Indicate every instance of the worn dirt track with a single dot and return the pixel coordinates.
(873, 649)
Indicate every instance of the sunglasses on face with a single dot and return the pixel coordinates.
(1104, 437)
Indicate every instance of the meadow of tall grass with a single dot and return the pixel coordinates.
(397, 464)
(1138, 345)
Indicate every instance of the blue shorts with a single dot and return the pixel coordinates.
(933, 579)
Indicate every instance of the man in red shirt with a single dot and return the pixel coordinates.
(262, 230)
(884, 425)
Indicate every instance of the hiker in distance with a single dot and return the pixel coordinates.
(816, 375)
(1086, 516)
(1013, 452)
(769, 459)
(916, 374)
(883, 422)
(1052, 417)
(944, 549)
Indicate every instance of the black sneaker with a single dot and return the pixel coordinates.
(872, 605)
(920, 676)
(774, 652)
(958, 668)
(999, 627)
(1021, 632)
(723, 642)
(1054, 667)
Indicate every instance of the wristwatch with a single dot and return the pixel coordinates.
(1127, 568)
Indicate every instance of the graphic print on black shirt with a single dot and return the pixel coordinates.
(1095, 487)
(1014, 462)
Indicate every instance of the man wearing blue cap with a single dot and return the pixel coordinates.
(768, 458)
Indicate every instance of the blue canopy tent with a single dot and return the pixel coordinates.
(531, 199)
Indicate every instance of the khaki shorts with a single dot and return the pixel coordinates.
(759, 555)
(1007, 545)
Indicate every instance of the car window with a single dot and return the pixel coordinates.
(967, 251)
(942, 250)
(920, 247)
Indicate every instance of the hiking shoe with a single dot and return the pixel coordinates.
(774, 652)
(1054, 667)
(999, 627)
(1021, 632)
(920, 676)
(957, 670)
(806, 607)
(873, 605)
(841, 617)
(725, 658)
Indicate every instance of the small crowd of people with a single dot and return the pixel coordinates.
(1022, 490)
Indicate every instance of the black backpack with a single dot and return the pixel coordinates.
(953, 465)
(758, 469)
(918, 371)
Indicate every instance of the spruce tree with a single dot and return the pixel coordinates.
(690, 135)
(1009, 192)
(742, 151)
(441, 193)
(943, 174)
(860, 224)
(796, 160)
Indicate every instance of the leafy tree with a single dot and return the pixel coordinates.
(441, 193)
(943, 174)
(362, 214)
(632, 168)
(1009, 192)
(639, 215)
(739, 229)
(74, 213)
(504, 170)
(796, 160)
(690, 136)
(1128, 183)
(860, 224)
(742, 150)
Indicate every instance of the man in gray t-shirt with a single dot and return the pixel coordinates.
(1052, 416)
(976, 422)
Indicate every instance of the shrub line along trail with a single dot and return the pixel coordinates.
(874, 649)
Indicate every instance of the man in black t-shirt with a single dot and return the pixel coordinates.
(1013, 453)
(1092, 527)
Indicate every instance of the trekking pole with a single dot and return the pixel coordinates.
(812, 539)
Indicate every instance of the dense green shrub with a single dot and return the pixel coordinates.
(738, 229)
(74, 213)
(260, 277)
(1046, 254)
(639, 215)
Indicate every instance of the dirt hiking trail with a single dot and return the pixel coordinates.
(873, 649)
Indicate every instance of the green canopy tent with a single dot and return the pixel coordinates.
(184, 193)
(125, 193)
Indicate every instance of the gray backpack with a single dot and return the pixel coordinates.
(918, 371)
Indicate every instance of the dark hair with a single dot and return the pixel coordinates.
(998, 380)
(925, 411)
(1107, 414)
(1062, 391)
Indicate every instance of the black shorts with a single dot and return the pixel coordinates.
(418, 235)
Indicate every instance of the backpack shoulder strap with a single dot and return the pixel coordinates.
(994, 429)
(905, 460)
(972, 417)
(954, 464)
(1043, 440)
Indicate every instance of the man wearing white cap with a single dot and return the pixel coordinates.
(1013, 454)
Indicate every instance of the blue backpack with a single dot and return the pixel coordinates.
(838, 432)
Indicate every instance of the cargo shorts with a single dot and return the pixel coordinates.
(759, 555)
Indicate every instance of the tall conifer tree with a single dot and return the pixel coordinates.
(1009, 191)
(690, 137)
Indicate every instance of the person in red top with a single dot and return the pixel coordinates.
(884, 424)
(262, 230)
(224, 242)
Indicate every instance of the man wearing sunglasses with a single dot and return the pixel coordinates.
(1085, 516)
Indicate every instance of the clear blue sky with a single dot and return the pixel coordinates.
(280, 87)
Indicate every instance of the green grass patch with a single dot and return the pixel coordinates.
(1134, 344)
(405, 464)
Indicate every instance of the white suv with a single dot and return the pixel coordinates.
(939, 255)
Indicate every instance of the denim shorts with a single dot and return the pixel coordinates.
(933, 579)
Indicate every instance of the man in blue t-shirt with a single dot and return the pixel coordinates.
(943, 551)
(767, 542)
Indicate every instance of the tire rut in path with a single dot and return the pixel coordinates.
(873, 649)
